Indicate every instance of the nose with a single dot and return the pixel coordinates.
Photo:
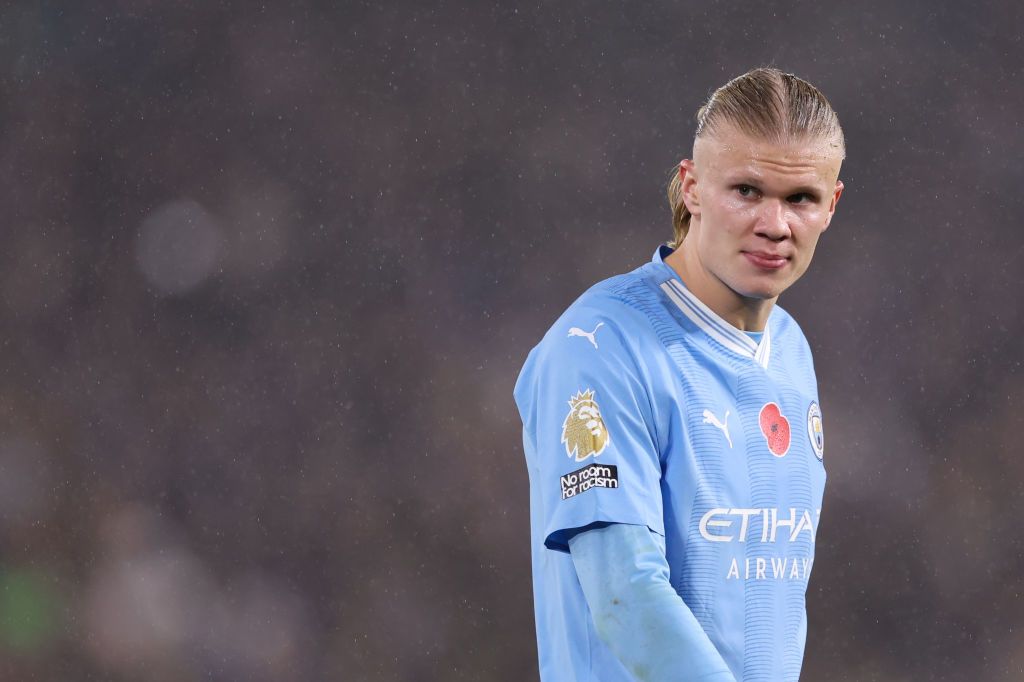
(773, 223)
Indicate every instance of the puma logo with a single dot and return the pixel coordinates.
(710, 418)
(589, 336)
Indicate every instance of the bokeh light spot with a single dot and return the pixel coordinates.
(26, 610)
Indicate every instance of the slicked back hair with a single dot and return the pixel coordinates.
(766, 104)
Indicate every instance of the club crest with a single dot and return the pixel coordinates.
(815, 430)
(583, 432)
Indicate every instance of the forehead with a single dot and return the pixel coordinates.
(729, 154)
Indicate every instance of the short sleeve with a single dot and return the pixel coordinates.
(588, 427)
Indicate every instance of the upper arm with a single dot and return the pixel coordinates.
(587, 413)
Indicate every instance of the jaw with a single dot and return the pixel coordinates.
(737, 296)
(760, 286)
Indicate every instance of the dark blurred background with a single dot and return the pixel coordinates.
(270, 271)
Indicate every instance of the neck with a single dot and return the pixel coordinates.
(746, 314)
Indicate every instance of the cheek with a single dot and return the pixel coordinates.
(805, 251)
(732, 205)
(730, 217)
(815, 220)
(808, 226)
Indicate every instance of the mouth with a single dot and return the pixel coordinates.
(766, 260)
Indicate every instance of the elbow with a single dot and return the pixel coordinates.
(609, 621)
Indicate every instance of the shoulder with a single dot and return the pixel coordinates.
(604, 335)
(609, 317)
(784, 324)
(787, 334)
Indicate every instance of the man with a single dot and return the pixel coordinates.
(671, 421)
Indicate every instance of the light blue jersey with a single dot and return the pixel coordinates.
(642, 406)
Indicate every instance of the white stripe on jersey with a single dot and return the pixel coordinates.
(717, 328)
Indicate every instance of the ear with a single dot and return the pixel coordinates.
(832, 206)
(688, 178)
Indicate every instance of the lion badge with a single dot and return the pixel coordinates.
(583, 431)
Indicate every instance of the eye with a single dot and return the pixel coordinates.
(802, 198)
(746, 190)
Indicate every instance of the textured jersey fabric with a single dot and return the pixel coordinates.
(636, 611)
(641, 406)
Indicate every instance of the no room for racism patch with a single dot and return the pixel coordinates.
(593, 476)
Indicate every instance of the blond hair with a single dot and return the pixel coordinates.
(764, 103)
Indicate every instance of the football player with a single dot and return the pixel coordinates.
(671, 421)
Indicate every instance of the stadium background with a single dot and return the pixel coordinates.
(269, 272)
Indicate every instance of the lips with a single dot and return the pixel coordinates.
(766, 260)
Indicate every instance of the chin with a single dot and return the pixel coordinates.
(760, 291)
(762, 295)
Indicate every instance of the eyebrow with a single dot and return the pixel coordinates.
(803, 189)
(800, 189)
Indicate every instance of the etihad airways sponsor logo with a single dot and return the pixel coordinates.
(771, 568)
(734, 525)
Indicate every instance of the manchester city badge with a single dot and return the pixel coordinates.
(815, 431)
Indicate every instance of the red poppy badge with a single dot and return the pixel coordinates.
(775, 428)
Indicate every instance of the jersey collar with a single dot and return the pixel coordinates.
(709, 322)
